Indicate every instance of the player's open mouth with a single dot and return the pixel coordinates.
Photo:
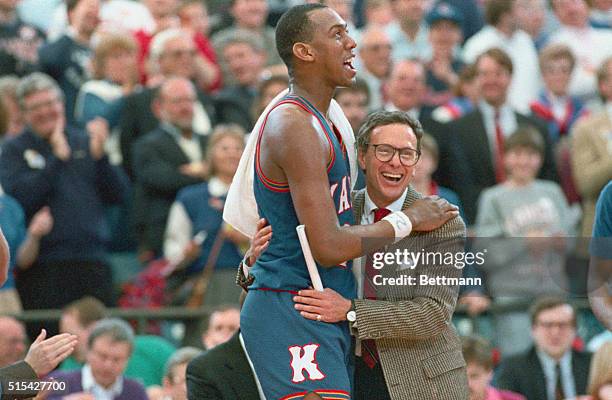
(394, 178)
(348, 63)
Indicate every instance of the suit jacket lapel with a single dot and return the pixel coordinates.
(238, 369)
(537, 380)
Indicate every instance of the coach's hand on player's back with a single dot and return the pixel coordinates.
(430, 213)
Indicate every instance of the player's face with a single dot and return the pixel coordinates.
(333, 47)
(386, 181)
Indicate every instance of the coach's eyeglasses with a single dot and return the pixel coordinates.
(385, 153)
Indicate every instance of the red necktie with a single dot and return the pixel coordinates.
(369, 353)
(500, 171)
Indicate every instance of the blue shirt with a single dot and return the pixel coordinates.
(12, 222)
(601, 244)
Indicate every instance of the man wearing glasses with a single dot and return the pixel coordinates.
(408, 346)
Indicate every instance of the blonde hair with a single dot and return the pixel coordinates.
(221, 132)
(108, 44)
(601, 369)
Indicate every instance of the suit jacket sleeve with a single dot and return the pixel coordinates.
(17, 372)
(592, 167)
(199, 384)
(428, 310)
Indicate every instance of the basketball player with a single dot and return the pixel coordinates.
(302, 177)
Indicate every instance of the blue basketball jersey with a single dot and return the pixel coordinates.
(282, 265)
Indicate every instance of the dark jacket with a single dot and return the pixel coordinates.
(471, 149)
(18, 372)
(76, 191)
(157, 158)
(222, 373)
(523, 374)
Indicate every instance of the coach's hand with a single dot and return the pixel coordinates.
(430, 213)
(325, 306)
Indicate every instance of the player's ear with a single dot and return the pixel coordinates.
(303, 51)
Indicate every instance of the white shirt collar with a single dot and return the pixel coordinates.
(369, 205)
(217, 188)
(91, 386)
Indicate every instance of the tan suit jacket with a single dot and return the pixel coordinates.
(591, 162)
(420, 351)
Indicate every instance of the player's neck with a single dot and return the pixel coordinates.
(318, 96)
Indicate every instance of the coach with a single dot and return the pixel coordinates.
(409, 347)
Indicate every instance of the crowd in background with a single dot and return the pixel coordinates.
(122, 123)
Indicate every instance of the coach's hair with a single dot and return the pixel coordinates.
(182, 356)
(115, 328)
(34, 83)
(477, 350)
(382, 118)
(547, 303)
(294, 26)
(499, 56)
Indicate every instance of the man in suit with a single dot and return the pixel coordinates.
(479, 135)
(166, 160)
(551, 369)
(42, 357)
(222, 373)
(172, 54)
(415, 352)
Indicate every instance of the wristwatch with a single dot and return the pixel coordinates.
(351, 315)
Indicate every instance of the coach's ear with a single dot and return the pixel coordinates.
(303, 51)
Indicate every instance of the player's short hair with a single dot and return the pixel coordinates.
(358, 86)
(499, 56)
(294, 26)
(478, 351)
(383, 118)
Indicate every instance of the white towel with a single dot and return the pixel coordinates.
(240, 206)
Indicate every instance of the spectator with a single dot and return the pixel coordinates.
(406, 90)
(166, 160)
(601, 14)
(378, 13)
(590, 46)
(481, 133)
(592, 150)
(223, 323)
(249, 15)
(198, 211)
(8, 98)
(125, 16)
(408, 33)
(115, 77)
(108, 349)
(66, 170)
(465, 97)
(502, 32)
(12, 341)
(175, 382)
(19, 42)
(555, 105)
(172, 55)
(551, 369)
(23, 245)
(523, 207)
(268, 89)
(423, 181)
(374, 63)
(146, 362)
(444, 65)
(600, 379)
(479, 359)
(354, 102)
(244, 56)
(194, 18)
(66, 59)
(531, 18)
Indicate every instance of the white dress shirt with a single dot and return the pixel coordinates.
(507, 122)
(91, 386)
(550, 373)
